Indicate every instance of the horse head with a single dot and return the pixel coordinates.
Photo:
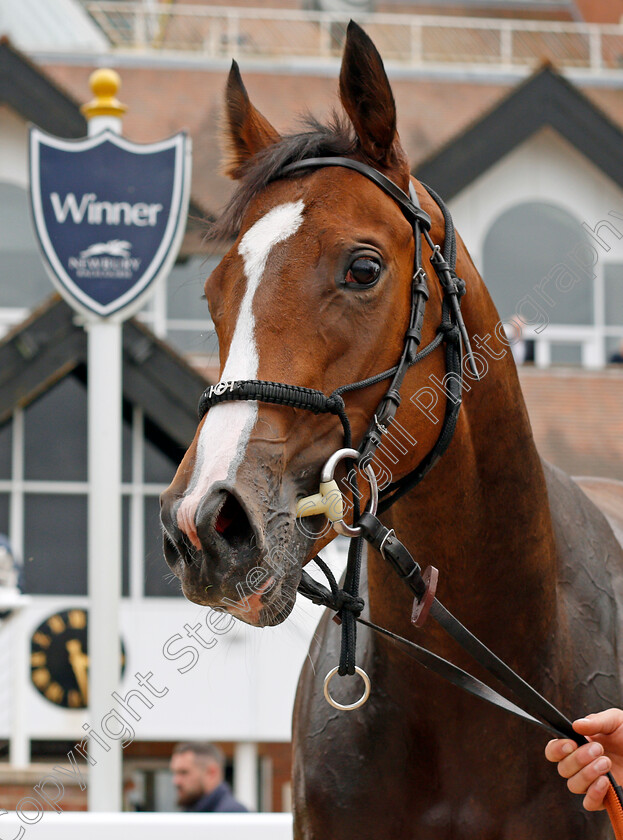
(315, 292)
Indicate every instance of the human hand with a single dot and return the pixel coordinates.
(585, 767)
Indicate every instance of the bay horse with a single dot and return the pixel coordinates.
(316, 292)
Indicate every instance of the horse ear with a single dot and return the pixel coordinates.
(247, 132)
(368, 99)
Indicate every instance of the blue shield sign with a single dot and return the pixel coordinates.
(109, 214)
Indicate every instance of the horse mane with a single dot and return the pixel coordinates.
(336, 138)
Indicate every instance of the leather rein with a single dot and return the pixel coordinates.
(531, 706)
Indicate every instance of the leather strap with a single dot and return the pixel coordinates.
(531, 700)
(390, 547)
(455, 675)
(409, 209)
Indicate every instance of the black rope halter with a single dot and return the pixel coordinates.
(451, 331)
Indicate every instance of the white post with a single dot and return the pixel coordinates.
(104, 517)
(593, 355)
(542, 353)
(104, 554)
(595, 49)
(233, 32)
(506, 44)
(245, 774)
(19, 743)
(137, 508)
(417, 38)
(19, 740)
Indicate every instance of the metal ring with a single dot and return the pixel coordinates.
(350, 706)
(327, 475)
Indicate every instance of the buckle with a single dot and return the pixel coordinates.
(391, 533)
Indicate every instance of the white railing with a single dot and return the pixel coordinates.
(588, 342)
(47, 825)
(413, 40)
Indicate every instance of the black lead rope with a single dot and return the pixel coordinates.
(534, 709)
(552, 720)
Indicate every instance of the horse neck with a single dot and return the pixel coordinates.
(481, 516)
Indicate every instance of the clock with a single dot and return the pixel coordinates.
(59, 659)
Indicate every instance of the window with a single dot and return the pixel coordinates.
(6, 442)
(566, 353)
(613, 292)
(4, 514)
(614, 350)
(159, 467)
(24, 279)
(521, 254)
(534, 264)
(178, 312)
(159, 581)
(55, 544)
(55, 428)
(613, 302)
(51, 446)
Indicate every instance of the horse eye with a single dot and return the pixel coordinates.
(363, 271)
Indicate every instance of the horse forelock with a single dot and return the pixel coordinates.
(336, 138)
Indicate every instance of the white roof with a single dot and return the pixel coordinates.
(50, 26)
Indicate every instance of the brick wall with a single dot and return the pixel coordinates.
(577, 418)
(16, 785)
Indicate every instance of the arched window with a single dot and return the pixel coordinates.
(523, 248)
(534, 260)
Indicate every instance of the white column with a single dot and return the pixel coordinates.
(137, 509)
(593, 355)
(542, 354)
(245, 774)
(104, 553)
(16, 529)
(506, 44)
(19, 743)
(595, 49)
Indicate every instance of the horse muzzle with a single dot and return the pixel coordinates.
(234, 553)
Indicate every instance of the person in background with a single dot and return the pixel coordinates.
(617, 357)
(198, 776)
(522, 348)
(585, 767)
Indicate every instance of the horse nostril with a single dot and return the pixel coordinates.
(232, 522)
(178, 548)
(171, 554)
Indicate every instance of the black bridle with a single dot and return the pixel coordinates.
(451, 331)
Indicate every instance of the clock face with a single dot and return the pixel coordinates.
(59, 661)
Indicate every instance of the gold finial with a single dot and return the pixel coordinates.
(104, 83)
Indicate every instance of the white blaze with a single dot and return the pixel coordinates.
(227, 428)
